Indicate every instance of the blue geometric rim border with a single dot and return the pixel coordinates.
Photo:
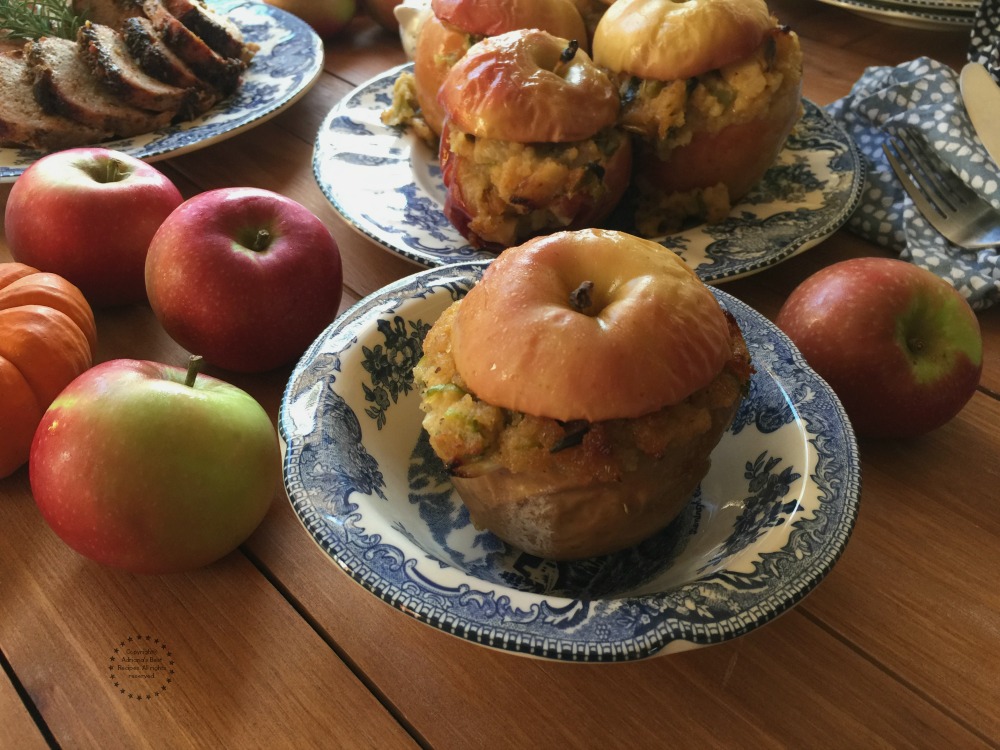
(729, 602)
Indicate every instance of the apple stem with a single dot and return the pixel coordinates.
(194, 366)
(261, 240)
(580, 299)
(567, 56)
(115, 170)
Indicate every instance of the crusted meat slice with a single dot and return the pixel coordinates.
(217, 31)
(64, 85)
(23, 123)
(222, 73)
(159, 61)
(109, 59)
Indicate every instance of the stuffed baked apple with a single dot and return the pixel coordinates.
(710, 89)
(448, 33)
(577, 392)
(530, 143)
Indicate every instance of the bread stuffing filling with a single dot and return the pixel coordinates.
(513, 191)
(669, 113)
(474, 438)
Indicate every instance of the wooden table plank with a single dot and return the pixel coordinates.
(17, 728)
(248, 671)
(921, 579)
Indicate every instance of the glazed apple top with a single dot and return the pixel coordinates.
(590, 324)
(493, 17)
(529, 86)
(667, 40)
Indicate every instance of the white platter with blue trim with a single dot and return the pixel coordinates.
(937, 17)
(766, 525)
(386, 183)
(288, 62)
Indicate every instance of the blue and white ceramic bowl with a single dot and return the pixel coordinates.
(766, 525)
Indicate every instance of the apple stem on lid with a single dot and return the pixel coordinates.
(567, 56)
(195, 362)
(580, 299)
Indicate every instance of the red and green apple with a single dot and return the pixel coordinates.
(245, 277)
(88, 215)
(900, 347)
(151, 468)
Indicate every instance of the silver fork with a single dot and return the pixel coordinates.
(948, 204)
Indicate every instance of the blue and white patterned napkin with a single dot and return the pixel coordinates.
(924, 95)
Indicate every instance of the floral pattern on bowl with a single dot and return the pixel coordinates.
(763, 529)
(387, 185)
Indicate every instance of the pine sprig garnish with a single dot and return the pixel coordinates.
(33, 19)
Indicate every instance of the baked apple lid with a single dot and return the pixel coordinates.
(529, 86)
(493, 17)
(667, 40)
(589, 324)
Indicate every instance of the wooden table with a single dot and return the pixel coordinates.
(275, 647)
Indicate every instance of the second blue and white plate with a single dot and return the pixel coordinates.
(387, 185)
(766, 525)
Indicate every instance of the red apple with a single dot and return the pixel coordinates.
(382, 12)
(245, 277)
(148, 468)
(900, 347)
(327, 17)
(88, 214)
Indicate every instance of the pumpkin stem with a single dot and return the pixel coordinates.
(194, 366)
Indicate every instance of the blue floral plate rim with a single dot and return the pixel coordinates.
(339, 488)
(288, 63)
(386, 184)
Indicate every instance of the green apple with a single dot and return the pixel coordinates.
(153, 469)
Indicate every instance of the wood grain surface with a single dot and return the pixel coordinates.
(275, 647)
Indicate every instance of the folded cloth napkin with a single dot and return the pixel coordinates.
(923, 94)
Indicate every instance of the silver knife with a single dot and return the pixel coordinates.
(982, 100)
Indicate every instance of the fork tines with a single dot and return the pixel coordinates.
(949, 205)
(927, 170)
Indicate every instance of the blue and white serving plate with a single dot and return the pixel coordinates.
(939, 15)
(766, 525)
(288, 62)
(386, 183)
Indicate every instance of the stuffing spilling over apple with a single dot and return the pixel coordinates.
(141, 465)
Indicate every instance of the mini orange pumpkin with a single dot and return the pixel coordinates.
(47, 337)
